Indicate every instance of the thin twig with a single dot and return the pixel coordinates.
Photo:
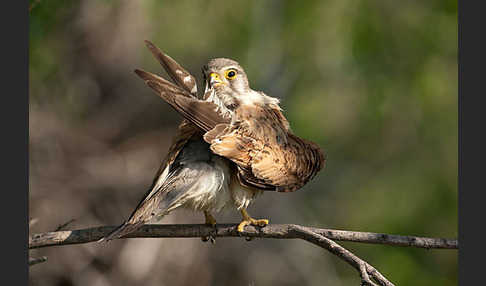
(38, 260)
(33, 221)
(60, 227)
(365, 270)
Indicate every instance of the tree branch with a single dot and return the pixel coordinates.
(281, 231)
(318, 236)
(364, 269)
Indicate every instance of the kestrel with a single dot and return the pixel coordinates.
(232, 145)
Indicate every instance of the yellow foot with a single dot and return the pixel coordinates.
(210, 220)
(247, 220)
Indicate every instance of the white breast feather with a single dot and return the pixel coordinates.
(211, 193)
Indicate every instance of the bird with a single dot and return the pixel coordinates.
(233, 144)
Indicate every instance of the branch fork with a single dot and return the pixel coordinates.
(324, 238)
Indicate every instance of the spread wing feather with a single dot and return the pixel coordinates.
(201, 113)
(267, 154)
(178, 74)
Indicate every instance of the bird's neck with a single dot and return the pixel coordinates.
(225, 102)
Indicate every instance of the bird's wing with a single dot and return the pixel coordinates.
(201, 113)
(287, 167)
(268, 155)
(185, 132)
(178, 74)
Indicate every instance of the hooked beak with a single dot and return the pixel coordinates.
(215, 79)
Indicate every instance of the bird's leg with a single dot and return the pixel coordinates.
(247, 220)
(212, 222)
(209, 219)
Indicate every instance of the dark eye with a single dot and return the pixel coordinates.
(230, 74)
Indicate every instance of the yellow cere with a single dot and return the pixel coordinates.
(214, 75)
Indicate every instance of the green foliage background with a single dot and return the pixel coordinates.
(374, 83)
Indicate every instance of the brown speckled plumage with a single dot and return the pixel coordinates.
(248, 140)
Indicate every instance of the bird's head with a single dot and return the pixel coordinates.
(225, 75)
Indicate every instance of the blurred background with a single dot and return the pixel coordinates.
(374, 83)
